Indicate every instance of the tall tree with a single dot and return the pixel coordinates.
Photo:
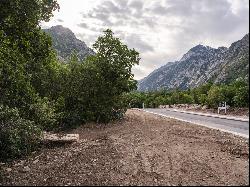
(114, 62)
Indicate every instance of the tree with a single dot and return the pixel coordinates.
(215, 96)
(19, 18)
(113, 62)
(27, 71)
(19, 24)
(202, 99)
(195, 95)
(186, 99)
(241, 96)
(95, 89)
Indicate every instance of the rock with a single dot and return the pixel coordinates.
(198, 107)
(19, 163)
(68, 138)
(26, 169)
(8, 169)
(65, 42)
(162, 106)
(35, 161)
(204, 107)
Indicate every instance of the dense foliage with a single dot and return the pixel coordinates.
(39, 93)
(17, 135)
(236, 94)
(93, 89)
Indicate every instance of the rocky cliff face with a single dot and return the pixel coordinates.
(199, 65)
(236, 62)
(65, 42)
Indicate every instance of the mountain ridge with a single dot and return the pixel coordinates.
(200, 65)
(65, 42)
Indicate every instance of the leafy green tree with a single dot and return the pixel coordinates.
(195, 95)
(15, 86)
(203, 89)
(202, 99)
(175, 97)
(241, 90)
(113, 62)
(241, 98)
(19, 24)
(186, 99)
(135, 99)
(20, 18)
(28, 71)
(94, 90)
(215, 96)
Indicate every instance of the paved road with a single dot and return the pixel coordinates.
(233, 126)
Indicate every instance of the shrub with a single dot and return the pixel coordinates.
(241, 98)
(17, 136)
(44, 113)
(215, 96)
(202, 99)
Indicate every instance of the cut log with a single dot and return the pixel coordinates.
(68, 138)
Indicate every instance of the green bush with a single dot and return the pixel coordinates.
(44, 113)
(241, 98)
(215, 96)
(17, 136)
(202, 99)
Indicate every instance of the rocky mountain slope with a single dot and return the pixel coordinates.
(199, 65)
(65, 42)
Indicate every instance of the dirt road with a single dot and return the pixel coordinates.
(142, 149)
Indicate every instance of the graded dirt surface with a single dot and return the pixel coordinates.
(142, 149)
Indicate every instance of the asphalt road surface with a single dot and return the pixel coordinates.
(233, 126)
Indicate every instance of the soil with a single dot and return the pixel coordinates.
(142, 149)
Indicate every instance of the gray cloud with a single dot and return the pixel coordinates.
(138, 5)
(135, 41)
(206, 18)
(83, 25)
(181, 24)
(124, 12)
(60, 20)
(88, 39)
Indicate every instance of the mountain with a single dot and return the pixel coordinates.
(200, 65)
(65, 42)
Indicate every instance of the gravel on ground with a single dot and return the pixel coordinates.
(141, 149)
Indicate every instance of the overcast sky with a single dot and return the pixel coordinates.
(161, 30)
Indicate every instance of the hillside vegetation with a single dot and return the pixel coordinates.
(236, 94)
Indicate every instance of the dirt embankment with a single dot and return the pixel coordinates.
(142, 149)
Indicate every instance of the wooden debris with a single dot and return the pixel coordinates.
(68, 138)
